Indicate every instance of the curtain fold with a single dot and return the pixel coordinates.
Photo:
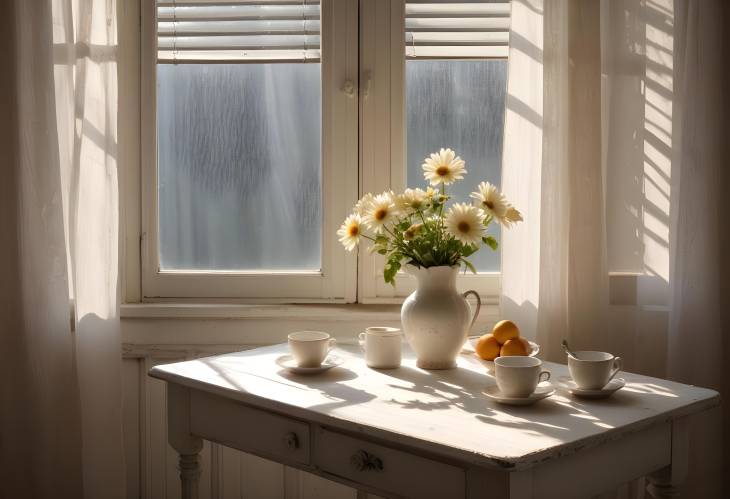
(62, 434)
(699, 326)
(623, 172)
(40, 446)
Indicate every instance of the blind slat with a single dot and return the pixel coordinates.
(458, 24)
(463, 38)
(208, 31)
(173, 3)
(237, 56)
(457, 9)
(292, 42)
(441, 30)
(208, 28)
(214, 12)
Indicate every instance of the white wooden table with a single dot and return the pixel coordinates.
(429, 434)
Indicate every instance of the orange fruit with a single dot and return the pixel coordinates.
(504, 331)
(487, 347)
(515, 346)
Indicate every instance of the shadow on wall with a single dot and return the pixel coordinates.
(638, 99)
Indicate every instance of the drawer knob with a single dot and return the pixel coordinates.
(364, 461)
(291, 440)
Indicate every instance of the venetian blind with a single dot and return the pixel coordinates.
(224, 31)
(457, 30)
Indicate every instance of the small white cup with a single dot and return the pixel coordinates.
(518, 376)
(593, 370)
(382, 347)
(310, 348)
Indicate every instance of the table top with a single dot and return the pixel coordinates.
(445, 412)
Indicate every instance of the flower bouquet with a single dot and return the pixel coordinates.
(421, 227)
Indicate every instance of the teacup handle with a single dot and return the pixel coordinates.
(618, 364)
(331, 343)
(361, 340)
(479, 306)
(546, 374)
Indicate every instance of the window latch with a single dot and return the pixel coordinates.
(348, 88)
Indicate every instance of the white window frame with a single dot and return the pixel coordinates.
(383, 141)
(336, 281)
(363, 150)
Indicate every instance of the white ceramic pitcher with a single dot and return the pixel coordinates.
(436, 318)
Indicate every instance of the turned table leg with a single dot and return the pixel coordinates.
(667, 482)
(187, 445)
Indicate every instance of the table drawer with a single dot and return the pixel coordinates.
(391, 471)
(249, 429)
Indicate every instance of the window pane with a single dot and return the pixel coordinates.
(239, 166)
(458, 104)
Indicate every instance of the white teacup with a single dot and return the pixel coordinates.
(593, 370)
(382, 347)
(518, 376)
(310, 348)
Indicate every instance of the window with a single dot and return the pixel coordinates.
(247, 136)
(456, 82)
(264, 119)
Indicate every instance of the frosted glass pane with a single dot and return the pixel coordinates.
(239, 166)
(458, 104)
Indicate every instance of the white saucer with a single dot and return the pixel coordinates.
(606, 391)
(542, 391)
(288, 363)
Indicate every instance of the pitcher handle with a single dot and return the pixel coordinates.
(479, 306)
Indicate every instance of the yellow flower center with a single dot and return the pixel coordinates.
(464, 227)
(353, 231)
(489, 204)
(380, 214)
(442, 171)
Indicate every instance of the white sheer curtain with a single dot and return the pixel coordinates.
(619, 166)
(61, 379)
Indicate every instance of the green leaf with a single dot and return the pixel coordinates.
(491, 242)
(469, 249)
(391, 268)
(469, 265)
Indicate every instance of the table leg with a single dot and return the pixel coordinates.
(667, 482)
(187, 445)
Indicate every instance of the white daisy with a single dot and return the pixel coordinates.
(489, 199)
(464, 222)
(444, 166)
(382, 210)
(412, 199)
(511, 217)
(363, 204)
(349, 232)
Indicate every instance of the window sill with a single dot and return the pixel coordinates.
(215, 328)
(318, 312)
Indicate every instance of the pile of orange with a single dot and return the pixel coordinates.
(504, 340)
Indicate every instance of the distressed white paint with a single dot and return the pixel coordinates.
(445, 415)
(151, 464)
(445, 409)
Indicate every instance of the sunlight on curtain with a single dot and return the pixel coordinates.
(85, 72)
